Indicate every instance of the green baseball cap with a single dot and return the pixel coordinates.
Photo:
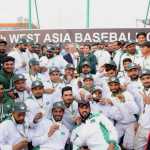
(33, 61)
(53, 69)
(70, 66)
(37, 83)
(30, 42)
(88, 76)
(36, 45)
(111, 63)
(19, 107)
(50, 47)
(59, 105)
(132, 66)
(145, 72)
(96, 88)
(86, 63)
(18, 77)
(130, 43)
(113, 79)
(22, 41)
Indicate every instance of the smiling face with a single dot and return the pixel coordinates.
(57, 114)
(20, 85)
(38, 91)
(85, 69)
(19, 117)
(131, 49)
(114, 87)
(145, 50)
(88, 82)
(133, 73)
(67, 97)
(141, 39)
(84, 111)
(9, 66)
(146, 81)
(55, 76)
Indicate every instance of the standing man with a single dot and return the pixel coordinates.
(51, 134)
(19, 56)
(72, 56)
(7, 72)
(45, 61)
(87, 55)
(132, 53)
(58, 60)
(144, 119)
(30, 53)
(34, 72)
(141, 38)
(146, 56)
(3, 48)
(102, 56)
(95, 131)
(14, 131)
(71, 107)
(20, 90)
(39, 104)
(125, 102)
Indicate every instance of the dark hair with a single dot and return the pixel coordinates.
(88, 45)
(3, 42)
(109, 67)
(141, 33)
(127, 60)
(95, 44)
(118, 43)
(43, 46)
(8, 58)
(66, 88)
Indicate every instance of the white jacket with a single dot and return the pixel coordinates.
(91, 133)
(35, 107)
(128, 109)
(12, 133)
(39, 136)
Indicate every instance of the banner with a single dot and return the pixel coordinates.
(73, 35)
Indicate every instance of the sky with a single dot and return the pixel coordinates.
(64, 14)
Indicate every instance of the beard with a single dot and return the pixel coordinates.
(134, 78)
(84, 116)
(19, 121)
(147, 86)
(22, 49)
(38, 96)
(57, 118)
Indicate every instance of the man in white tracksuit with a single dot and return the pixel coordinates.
(125, 102)
(51, 134)
(99, 104)
(19, 55)
(30, 53)
(33, 73)
(14, 131)
(131, 53)
(144, 119)
(21, 92)
(95, 131)
(54, 83)
(39, 104)
(133, 82)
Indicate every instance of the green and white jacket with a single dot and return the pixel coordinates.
(96, 133)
